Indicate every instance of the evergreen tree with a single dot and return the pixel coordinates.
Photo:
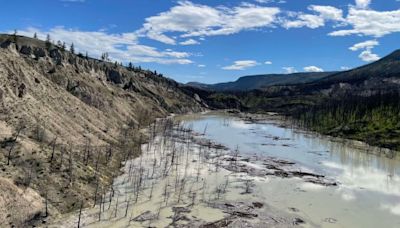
(104, 56)
(63, 46)
(72, 48)
(15, 36)
(48, 41)
(130, 66)
(35, 35)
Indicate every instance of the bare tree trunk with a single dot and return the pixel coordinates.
(80, 214)
(46, 204)
(53, 150)
(14, 142)
(62, 157)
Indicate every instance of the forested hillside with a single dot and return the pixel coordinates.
(361, 104)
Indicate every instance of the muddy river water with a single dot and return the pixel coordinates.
(368, 190)
(216, 169)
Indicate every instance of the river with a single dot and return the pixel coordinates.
(191, 175)
(368, 193)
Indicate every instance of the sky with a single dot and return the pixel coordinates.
(214, 41)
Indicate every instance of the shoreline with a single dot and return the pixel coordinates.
(272, 117)
(204, 180)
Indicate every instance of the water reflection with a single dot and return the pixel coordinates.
(361, 172)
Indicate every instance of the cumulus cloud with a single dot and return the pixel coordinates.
(321, 14)
(364, 45)
(201, 65)
(363, 3)
(304, 20)
(370, 23)
(241, 65)
(267, 62)
(195, 20)
(289, 70)
(122, 47)
(313, 69)
(368, 56)
(328, 12)
(367, 46)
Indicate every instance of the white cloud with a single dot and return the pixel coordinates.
(122, 47)
(201, 65)
(368, 56)
(370, 23)
(189, 42)
(195, 20)
(289, 70)
(328, 12)
(313, 69)
(363, 3)
(367, 46)
(241, 65)
(364, 45)
(313, 21)
(345, 68)
(267, 62)
(304, 20)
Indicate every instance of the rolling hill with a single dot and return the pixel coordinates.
(253, 82)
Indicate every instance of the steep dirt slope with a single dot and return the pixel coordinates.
(74, 96)
(68, 121)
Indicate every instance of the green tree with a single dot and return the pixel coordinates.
(72, 48)
(48, 41)
(14, 35)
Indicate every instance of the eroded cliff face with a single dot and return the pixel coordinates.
(61, 119)
(77, 95)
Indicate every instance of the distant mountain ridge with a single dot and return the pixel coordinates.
(252, 82)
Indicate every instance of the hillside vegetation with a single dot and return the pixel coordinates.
(361, 104)
(254, 82)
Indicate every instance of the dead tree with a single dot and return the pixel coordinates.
(46, 204)
(70, 167)
(127, 207)
(95, 193)
(80, 214)
(87, 151)
(101, 201)
(14, 141)
(248, 185)
(62, 150)
(53, 150)
(116, 207)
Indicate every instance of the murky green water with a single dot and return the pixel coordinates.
(369, 191)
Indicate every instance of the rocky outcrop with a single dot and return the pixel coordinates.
(114, 76)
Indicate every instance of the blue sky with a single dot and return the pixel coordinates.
(213, 41)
